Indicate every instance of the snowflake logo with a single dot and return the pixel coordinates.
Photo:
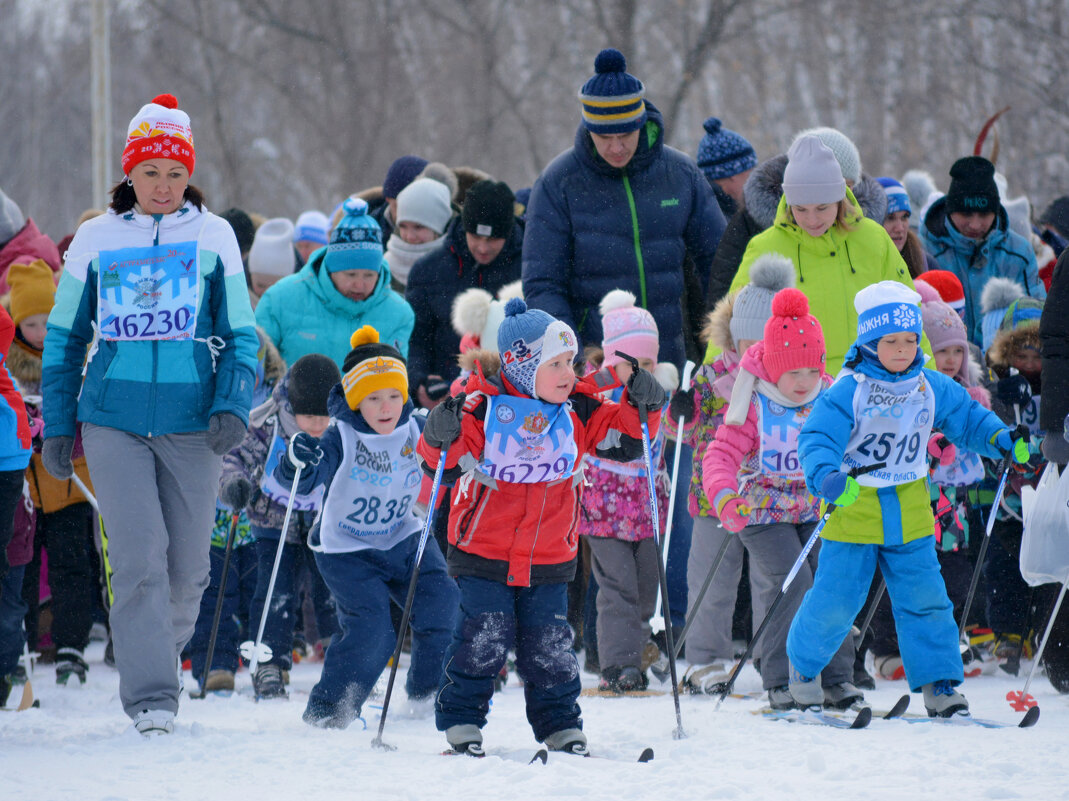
(904, 317)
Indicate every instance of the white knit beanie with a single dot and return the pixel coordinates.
(425, 202)
(272, 248)
(812, 174)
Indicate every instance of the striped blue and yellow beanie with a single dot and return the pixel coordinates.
(613, 100)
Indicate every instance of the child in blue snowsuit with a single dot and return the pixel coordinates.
(881, 409)
(367, 534)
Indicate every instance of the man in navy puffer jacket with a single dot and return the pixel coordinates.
(618, 210)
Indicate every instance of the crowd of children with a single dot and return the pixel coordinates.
(833, 400)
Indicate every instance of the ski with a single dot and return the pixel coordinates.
(1029, 720)
(475, 751)
(594, 692)
(645, 756)
(897, 711)
(819, 717)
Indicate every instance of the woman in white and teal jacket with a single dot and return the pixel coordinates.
(882, 409)
(151, 347)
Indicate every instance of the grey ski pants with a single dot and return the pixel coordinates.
(157, 498)
(627, 592)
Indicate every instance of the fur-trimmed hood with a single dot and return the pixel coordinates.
(1009, 340)
(489, 362)
(718, 323)
(764, 188)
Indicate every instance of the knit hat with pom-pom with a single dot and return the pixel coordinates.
(949, 287)
(356, 241)
(769, 274)
(793, 338)
(371, 366)
(942, 325)
(526, 339)
(626, 328)
(613, 100)
(309, 382)
(159, 130)
(723, 153)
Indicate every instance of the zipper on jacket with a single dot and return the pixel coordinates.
(638, 242)
(462, 524)
(155, 343)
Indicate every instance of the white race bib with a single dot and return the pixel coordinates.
(148, 293)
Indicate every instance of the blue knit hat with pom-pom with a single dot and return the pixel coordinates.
(526, 339)
(356, 241)
(723, 153)
(613, 100)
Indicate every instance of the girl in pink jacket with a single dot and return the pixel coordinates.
(754, 480)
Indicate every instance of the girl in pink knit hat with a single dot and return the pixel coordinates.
(615, 517)
(752, 475)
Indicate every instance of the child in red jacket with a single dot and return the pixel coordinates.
(514, 447)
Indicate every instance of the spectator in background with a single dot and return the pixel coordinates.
(271, 256)
(898, 227)
(424, 210)
(21, 241)
(483, 251)
(968, 233)
(244, 229)
(342, 287)
(618, 210)
(310, 234)
(727, 160)
(402, 172)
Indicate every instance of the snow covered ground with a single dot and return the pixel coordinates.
(77, 747)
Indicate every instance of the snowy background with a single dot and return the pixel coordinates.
(77, 747)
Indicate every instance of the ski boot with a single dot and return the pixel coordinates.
(806, 690)
(942, 700)
(466, 739)
(1008, 649)
(780, 699)
(268, 683)
(219, 680)
(708, 678)
(622, 680)
(890, 667)
(154, 722)
(69, 662)
(843, 695)
(570, 741)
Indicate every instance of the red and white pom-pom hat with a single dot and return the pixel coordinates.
(160, 130)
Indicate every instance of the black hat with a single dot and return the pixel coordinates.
(244, 229)
(489, 209)
(1056, 215)
(972, 186)
(310, 380)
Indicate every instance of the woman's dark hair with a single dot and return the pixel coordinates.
(123, 197)
(913, 255)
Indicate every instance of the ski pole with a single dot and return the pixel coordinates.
(662, 578)
(657, 622)
(701, 593)
(85, 491)
(103, 536)
(257, 652)
(982, 553)
(730, 683)
(871, 613)
(28, 700)
(407, 613)
(218, 605)
(1021, 700)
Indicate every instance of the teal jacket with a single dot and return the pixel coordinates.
(157, 386)
(898, 513)
(304, 313)
(1002, 253)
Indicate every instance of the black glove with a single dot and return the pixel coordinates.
(1014, 390)
(643, 391)
(236, 493)
(443, 422)
(225, 432)
(682, 405)
(304, 450)
(56, 455)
